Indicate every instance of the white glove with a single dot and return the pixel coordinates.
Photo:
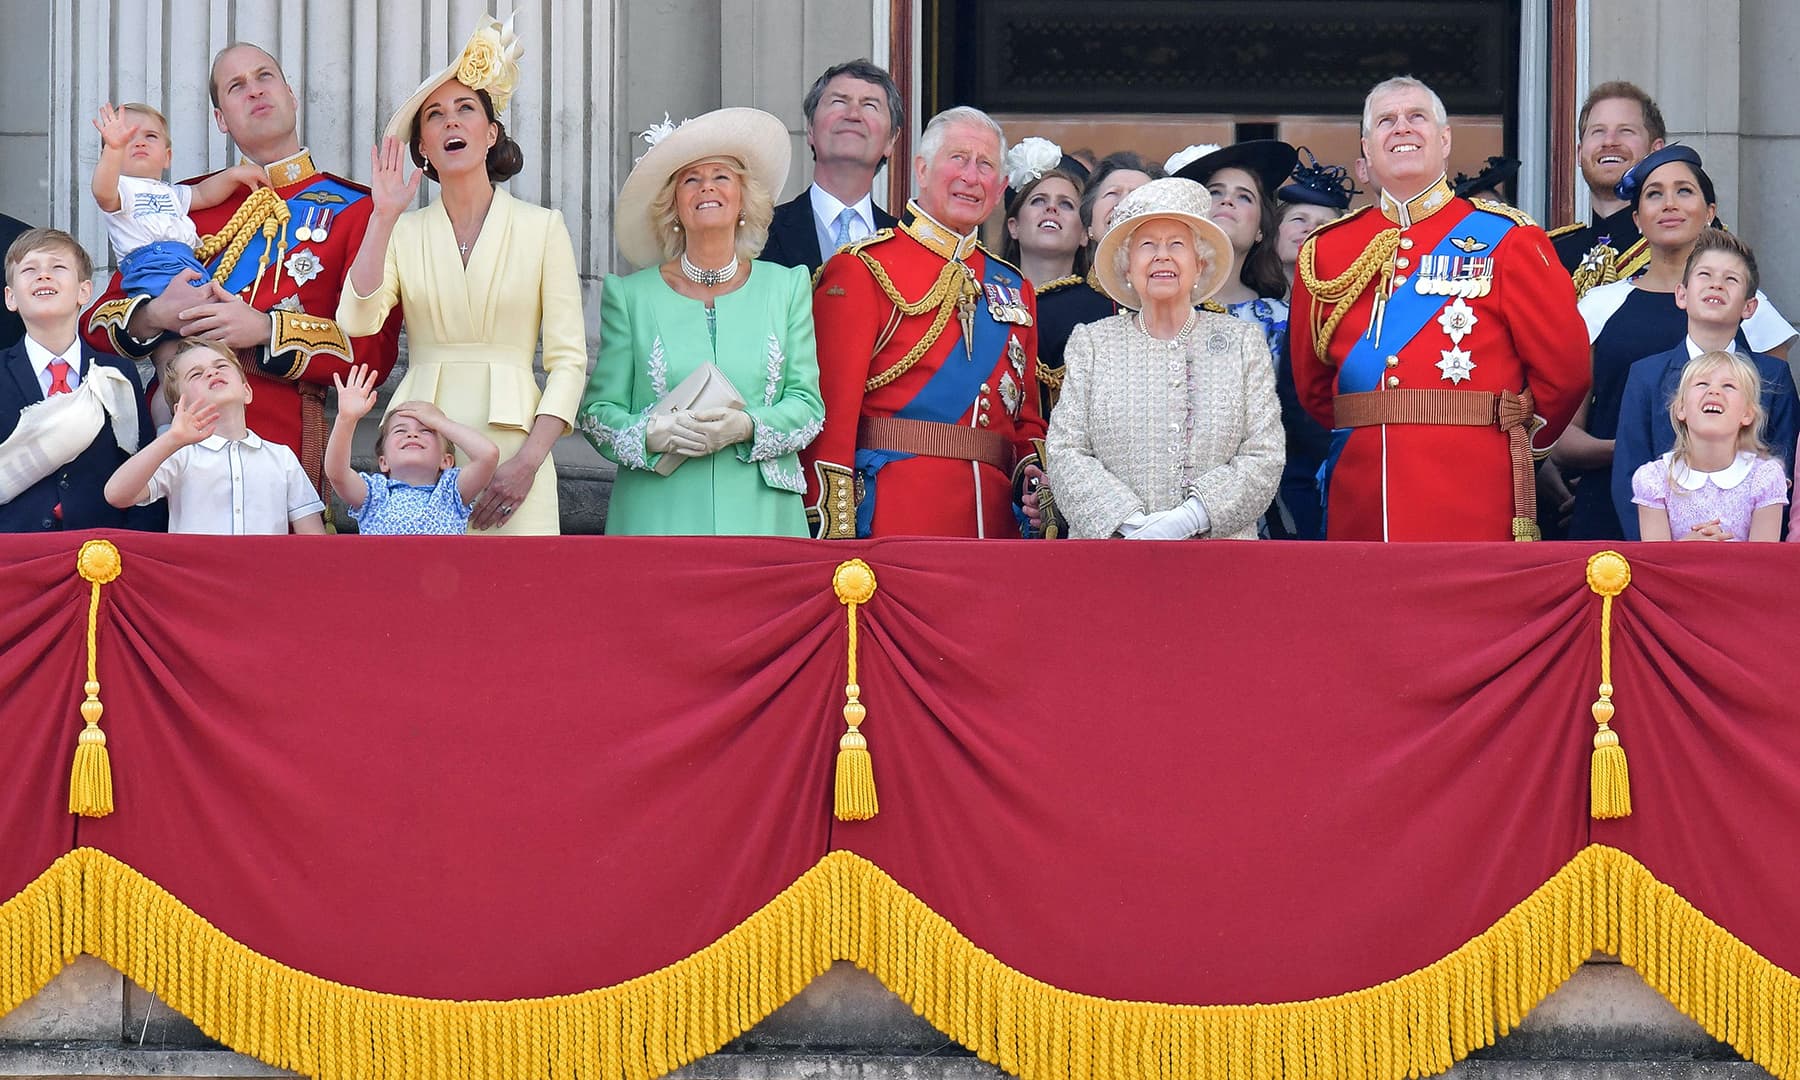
(675, 433)
(723, 427)
(1183, 521)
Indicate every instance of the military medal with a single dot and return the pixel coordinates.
(1015, 355)
(1455, 275)
(1010, 396)
(304, 232)
(323, 227)
(1456, 365)
(1457, 319)
(303, 266)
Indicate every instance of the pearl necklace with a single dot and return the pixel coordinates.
(708, 278)
(1180, 337)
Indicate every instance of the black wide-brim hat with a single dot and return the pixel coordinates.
(1271, 161)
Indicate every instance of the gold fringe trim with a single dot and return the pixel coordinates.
(847, 908)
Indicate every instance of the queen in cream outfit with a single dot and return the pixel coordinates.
(481, 276)
(1168, 427)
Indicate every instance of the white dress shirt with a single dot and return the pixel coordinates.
(826, 208)
(233, 488)
(41, 358)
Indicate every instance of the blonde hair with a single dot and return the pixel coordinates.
(1752, 437)
(757, 212)
(171, 388)
(145, 110)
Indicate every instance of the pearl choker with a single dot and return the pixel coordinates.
(708, 278)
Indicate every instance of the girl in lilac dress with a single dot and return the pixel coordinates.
(1719, 482)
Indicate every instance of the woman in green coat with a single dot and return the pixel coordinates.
(723, 460)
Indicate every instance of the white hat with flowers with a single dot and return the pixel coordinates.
(755, 139)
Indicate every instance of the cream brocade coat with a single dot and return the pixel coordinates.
(1123, 439)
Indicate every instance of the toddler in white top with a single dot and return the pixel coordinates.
(146, 217)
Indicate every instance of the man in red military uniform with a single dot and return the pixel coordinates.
(928, 362)
(274, 285)
(1426, 333)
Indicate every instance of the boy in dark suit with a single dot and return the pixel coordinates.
(69, 416)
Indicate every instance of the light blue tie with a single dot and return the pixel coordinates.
(842, 225)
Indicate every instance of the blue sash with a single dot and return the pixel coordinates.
(324, 192)
(947, 395)
(1408, 312)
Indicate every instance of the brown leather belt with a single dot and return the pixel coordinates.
(934, 440)
(1506, 410)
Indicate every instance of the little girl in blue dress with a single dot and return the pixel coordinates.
(420, 490)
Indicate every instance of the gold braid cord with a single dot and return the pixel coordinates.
(90, 777)
(1609, 782)
(263, 212)
(853, 797)
(953, 283)
(1340, 292)
(847, 908)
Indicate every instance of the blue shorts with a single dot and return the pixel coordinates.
(148, 270)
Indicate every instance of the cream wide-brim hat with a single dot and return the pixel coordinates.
(751, 136)
(1175, 199)
(489, 61)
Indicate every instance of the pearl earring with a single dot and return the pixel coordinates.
(677, 226)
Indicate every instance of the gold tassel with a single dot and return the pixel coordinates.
(854, 792)
(90, 778)
(1609, 781)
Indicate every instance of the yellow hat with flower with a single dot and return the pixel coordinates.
(489, 61)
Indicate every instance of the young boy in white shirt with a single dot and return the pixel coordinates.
(146, 217)
(218, 476)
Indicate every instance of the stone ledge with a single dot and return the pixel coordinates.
(43, 1060)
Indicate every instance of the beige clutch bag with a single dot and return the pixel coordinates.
(706, 388)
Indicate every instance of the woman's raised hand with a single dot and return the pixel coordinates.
(389, 186)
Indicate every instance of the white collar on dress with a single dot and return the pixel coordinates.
(1727, 478)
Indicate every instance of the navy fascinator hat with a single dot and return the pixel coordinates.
(1631, 186)
(1319, 185)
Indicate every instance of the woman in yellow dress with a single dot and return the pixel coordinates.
(480, 276)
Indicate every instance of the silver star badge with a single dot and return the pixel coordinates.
(1456, 365)
(1457, 319)
(303, 266)
(1009, 395)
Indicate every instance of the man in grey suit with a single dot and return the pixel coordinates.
(853, 113)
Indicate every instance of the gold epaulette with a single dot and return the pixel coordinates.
(875, 237)
(1320, 230)
(1054, 284)
(1564, 230)
(1518, 216)
(985, 250)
